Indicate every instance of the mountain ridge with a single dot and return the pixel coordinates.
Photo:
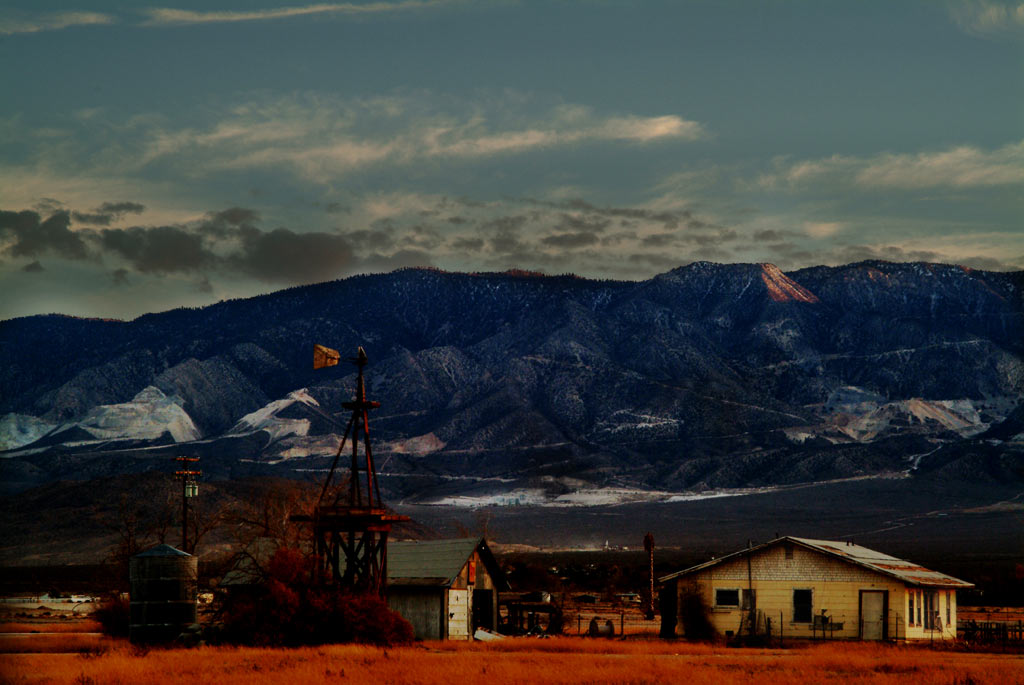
(705, 376)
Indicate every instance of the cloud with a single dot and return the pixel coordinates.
(120, 276)
(987, 19)
(571, 240)
(772, 235)
(284, 256)
(161, 249)
(33, 267)
(31, 236)
(11, 23)
(959, 167)
(822, 229)
(107, 213)
(467, 244)
(120, 208)
(167, 16)
(321, 138)
(236, 216)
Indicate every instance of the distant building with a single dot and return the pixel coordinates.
(445, 588)
(802, 588)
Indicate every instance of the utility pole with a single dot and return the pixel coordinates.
(189, 488)
(649, 612)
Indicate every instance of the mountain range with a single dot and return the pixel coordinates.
(521, 388)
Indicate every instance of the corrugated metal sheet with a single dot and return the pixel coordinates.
(906, 571)
(428, 562)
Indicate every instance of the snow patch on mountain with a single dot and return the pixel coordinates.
(417, 446)
(584, 497)
(147, 416)
(21, 429)
(868, 420)
(267, 418)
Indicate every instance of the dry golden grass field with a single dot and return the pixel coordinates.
(562, 660)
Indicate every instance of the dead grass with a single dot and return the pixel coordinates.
(51, 627)
(54, 643)
(537, 662)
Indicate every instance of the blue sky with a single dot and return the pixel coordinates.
(179, 155)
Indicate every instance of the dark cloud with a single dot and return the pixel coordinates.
(420, 237)
(93, 219)
(577, 224)
(336, 208)
(120, 276)
(507, 242)
(236, 216)
(618, 238)
(163, 249)
(204, 285)
(107, 213)
(48, 205)
(658, 239)
(457, 220)
(717, 238)
(505, 223)
(772, 236)
(570, 240)
(371, 240)
(283, 256)
(33, 267)
(670, 220)
(122, 208)
(34, 237)
(468, 244)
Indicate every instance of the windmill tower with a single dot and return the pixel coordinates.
(350, 523)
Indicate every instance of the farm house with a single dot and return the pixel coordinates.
(803, 588)
(445, 588)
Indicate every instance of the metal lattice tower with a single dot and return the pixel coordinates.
(350, 528)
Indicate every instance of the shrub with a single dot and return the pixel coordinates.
(113, 616)
(288, 609)
(695, 615)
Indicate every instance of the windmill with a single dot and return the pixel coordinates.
(350, 524)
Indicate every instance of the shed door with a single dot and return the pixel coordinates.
(458, 614)
(872, 615)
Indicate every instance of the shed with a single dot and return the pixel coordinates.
(807, 588)
(445, 588)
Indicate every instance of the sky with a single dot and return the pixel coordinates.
(187, 153)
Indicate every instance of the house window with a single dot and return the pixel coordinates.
(789, 550)
(803, 606)
(931, 610)
(910, 608)
(727, 597)
(920, 608)
(949, 608)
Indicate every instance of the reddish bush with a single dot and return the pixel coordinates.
(288, 609)
(113, 616)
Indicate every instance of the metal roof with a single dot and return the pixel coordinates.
(163, 551)
(906, 571)
(437, 562)
(424, 563)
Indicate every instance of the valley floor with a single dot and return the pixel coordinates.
(563, 660)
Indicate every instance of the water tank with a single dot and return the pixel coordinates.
(163, 594)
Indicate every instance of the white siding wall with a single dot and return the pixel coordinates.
(835, 585)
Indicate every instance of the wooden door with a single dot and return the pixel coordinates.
(872, 614)
(458, 614)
